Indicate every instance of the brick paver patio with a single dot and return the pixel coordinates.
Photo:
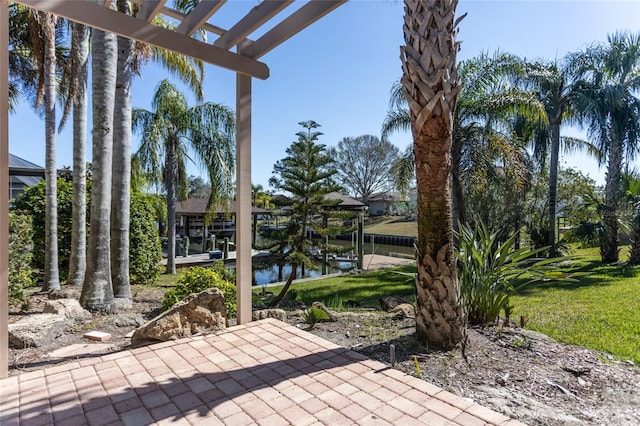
(262, 373)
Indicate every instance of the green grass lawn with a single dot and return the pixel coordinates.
(366, 288)
(390, 227)
(601, 311)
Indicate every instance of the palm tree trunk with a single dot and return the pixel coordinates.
(170, 184)
(609, 243)
(431, 85)
(97, 291)
(457, 199)
(634, 251)
(553, 186)
(78, 255)
(51, 271)
(121, 179)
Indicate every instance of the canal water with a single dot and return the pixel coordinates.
(265, 273)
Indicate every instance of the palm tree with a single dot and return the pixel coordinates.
(169, 134)
(78, 92)
(556, 90)
(97, 290)
(631, 186)
(121, 177)
(430, 82)
(131, 57)
(47, 33)
(482, 123)
(23, 68)
(608, 85)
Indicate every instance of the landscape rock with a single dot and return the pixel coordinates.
(332, 315)
(127, 320)
(64, 293)
(387, 303)
(36, 330)
(122, 303)
(68, 308)
(404, 310)
(278, 314)
(197, 313)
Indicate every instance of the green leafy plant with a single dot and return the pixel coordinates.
(490, 271)
(198, 279)
(20, 253)
(292, 295)
(418, 370)
(144, 241)
(314, 315)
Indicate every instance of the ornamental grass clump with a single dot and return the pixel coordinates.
(490, 271)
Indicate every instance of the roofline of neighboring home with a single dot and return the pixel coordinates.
(25, 171)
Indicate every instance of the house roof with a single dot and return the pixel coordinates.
(347, 203)
(198, 206)
(386, 196)
(17, 162)
(21, 167)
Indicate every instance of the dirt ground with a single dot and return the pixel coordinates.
(520, 373)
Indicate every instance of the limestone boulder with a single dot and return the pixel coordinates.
(36, 330)
(278, 314)
(68, 308)
(387, 303)
(403, 310)
(197, 313)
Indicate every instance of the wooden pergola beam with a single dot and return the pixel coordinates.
(198, 16)
(109, 20)
(4, 188)
(150, 9)
(252, 20)
(296, 22)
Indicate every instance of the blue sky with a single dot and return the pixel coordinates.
(339, 71)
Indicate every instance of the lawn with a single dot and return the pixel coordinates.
(393, 227)
(366, 288)
(601, 311)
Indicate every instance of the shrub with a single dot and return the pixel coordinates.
(144, 242)
(20, 253)
(32, 202)
(490, 271)
(198, 279)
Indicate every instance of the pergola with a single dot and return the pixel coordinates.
(229, 48)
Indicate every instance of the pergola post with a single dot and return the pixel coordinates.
(243, 197)
(4, 188)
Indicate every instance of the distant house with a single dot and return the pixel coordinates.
(22, 173)
(190, 219)
(384, 203)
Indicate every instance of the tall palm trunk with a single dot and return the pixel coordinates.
(553, 184)
(430, 82)
(121, 179)
(97, 292)
(51, 270)
(170, 184)
(634, 250)
(457, 199)
(609, 242)
(78, 255)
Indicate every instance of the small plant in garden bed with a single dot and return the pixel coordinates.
(314, 315)
(198, 279)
